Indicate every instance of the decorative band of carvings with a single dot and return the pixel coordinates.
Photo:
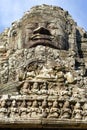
(22, 107)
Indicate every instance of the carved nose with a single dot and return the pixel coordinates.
(41, 30)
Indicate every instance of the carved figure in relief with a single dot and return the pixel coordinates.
(45, 109)
(14, 111)
(47, 72)
(35, 88)
(29, 105)
(66, 111)
(85, 112)
(40, 114)
(43, 89)
(3, 109)
(25, 89)
(77, 112)
(54, 111)
(23, 110)
(34, 109)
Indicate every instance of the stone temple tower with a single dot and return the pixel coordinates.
(43, 71)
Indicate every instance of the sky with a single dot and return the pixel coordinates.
(11, 10)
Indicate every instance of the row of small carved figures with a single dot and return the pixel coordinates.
(28, 87)
(38, 88)
(47, 88)
(43, 109)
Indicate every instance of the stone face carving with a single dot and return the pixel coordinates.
(40, 31)
(43, 69)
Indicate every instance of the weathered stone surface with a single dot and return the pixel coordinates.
(43, 70)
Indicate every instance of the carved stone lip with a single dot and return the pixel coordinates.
(44, 42)
(41, 37)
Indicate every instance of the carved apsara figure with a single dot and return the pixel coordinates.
(54, 111)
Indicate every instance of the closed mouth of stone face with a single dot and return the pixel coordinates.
(41, 37)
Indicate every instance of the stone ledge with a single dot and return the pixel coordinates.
(44, 123)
